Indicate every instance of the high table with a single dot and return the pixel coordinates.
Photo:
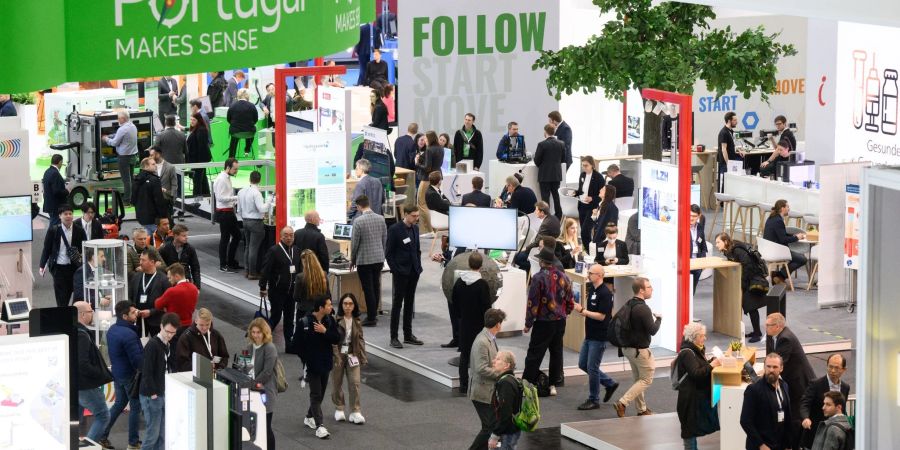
(750, 187)
(727, 295)
(621, 276)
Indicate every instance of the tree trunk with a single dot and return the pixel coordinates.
(652, 136)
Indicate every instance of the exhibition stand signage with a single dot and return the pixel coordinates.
(87, 40)
(314, 177)
(851, 228)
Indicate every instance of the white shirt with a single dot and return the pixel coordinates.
(62, 257)
(585, 186)
(348, 325)
(694, 249)
(125, 140)
(159, 168)
(251, 204)
(225, 197)
(87, 228)
(834, 387)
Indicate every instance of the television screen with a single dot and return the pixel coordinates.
(491, 228)
(15, 219)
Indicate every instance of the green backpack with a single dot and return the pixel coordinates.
(529, 407)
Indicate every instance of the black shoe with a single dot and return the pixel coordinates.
(464, 389)
(412, 339)
(587, 405)
(104, 443)
(451, 344)
(396, 343)
(226, 269)
(755, 338)
(609, 392)
(370, 323)
(236, 267)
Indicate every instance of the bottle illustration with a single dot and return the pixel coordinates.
(873, 98)
(859, 85)
(889, 103)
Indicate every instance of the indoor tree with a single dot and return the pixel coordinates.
(667, 46)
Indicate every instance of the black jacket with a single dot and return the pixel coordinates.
(811, 406)
(78, 293)
(476, 147)
(92, 370)
(564, 134)
(52, 244)
(376, 70)
(403, 258)
(436, 201)
(155, 289)
(147, 197)
(198, 146)
(477, 198)
(696, 388)
(157, 360)
(593, 191)
(380, 116)
(506, 401)
(798, 373)
(315, 348)
(242, 117)
(96, 228)
(188, 260)
(624, 185)
(522, 199)
(701, 238)
(549, 155)
(549, 228)
(564, 255)
(309, 237)
(55, 192)
(471, 301)
(191, 341)
(643, 324)
(166, 105)
(633, 235)
(276, 270)
(430, 161)
(216, 91)
(759, 416)
(621, 253)
(611, 215)
(405, 152)
(776, 232)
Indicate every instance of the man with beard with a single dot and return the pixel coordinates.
(766, 413)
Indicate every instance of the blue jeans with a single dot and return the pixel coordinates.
(589, 360)
(134, 415)
(690, 443)
(509, 441)
(154, 416)
(95, 402)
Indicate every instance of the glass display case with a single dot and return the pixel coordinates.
(105, 280)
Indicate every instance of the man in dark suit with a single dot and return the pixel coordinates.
(624, 185)
(405, 148)
(798, 373)
(698, 240)
(563, 132)
(168, 93)
(548, 157)
(55, 192)
(310, 237)
(146, 286)
(476, 197)
(56, 256)
(811, 414)
(549, 228)
(518, 197)
(242, 117)
(775, 231)
(279, 271)
(230, 95)
(89, 223)
(172, 144)
(403, 254)
(434, 198)
(766, 412)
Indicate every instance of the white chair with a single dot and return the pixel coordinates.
(624, 203)
(440, 224)
(776, 256)
(568, 203)
(814, 260)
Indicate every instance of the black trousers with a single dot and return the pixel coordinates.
(318, 383)
(487, 417)
(232, 147)
(283, 303)
(201, 183)
(750, 303)
(63, 282)
(230, 237)
(270, 435)
(546, 334)
(586, 224)
(521, 261)
(370, 279)
(696, 276)
(453, 309)
(405, 298)
(548, 189)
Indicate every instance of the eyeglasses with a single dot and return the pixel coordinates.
(770, 325)
(347, 303)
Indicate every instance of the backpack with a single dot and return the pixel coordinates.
(676, 375)
(281, 384)
(849, 436)
(296, 345)
(619, 333)
(529, 413)
(758, 282)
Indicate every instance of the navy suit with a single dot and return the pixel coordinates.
(522, 199)
(759, 415)
(55, 193)
(564, 133)
(404, 256)
(477, 198)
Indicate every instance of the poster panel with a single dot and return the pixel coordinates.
(315, 177)
(851, 227)
(331, 115)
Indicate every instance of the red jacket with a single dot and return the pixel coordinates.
(180, 299)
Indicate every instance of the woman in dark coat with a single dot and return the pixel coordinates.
(751, 274)
(606, 213)
(198, 152)
(694, 405)
(379, 111)
(472, 298)
(588, 196)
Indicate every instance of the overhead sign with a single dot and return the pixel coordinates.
(88, 40)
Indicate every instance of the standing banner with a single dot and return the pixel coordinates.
(851, 228)
(376, 148)
(315, 177)
(88, 40)
(658, 209)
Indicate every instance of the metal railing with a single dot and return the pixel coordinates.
(183, 170)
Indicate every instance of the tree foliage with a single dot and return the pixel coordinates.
(669, 46)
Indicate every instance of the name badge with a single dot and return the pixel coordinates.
(293, 269)
(780, 416)
(345, 348)
(143, 299)
(594, 296)
(407, 241)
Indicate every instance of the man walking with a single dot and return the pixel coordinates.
(404, 256)
(482, 375)
(311, 238)
(548, 158)
(179, 250)
(157, 363)
(811, 413)
(797, 372)
(253, 208)
(279, 271)
(92, 375)
(55, 192)
(126, 355)
(644, 324)
(147, 286)
(125, 143)
(148, 200)
(317, 338)
(62, 243)
(550, 301)
(367, 242)
(230, 233)
(766, 412)
(596, 321)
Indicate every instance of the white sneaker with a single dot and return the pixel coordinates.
(552, 390)
(322, 433)
(310, 422)
(339, 416)
(357, 418)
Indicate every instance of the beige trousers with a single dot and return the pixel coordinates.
(642, 368)
(337, 381)
(425, 218)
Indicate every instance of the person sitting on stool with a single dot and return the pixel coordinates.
(776, 232)
(242, 117)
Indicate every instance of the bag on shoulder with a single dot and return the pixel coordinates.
(295, 347)
(529, 413)
(849, 436)
(676, 373)
(759, 282)
(262, 310)
(281, 384)
(619, 333)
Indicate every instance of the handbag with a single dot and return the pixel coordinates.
(73, 253)
(263, 310)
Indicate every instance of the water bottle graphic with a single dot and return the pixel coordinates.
(859, 87)
(889, 103)
(873, 98)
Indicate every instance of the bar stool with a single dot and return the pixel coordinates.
(727, 202)
(797, 216)
(744, 212)
(764, 210)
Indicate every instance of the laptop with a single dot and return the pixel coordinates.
(342, 231)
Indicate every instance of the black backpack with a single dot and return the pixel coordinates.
(849, 436)
(619, 332)
(758, 278)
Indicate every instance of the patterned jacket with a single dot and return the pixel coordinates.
(369, 236)
(549, 296)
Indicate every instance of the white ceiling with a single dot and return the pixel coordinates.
(879, 12)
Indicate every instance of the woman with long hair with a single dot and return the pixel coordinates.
(568, 245)
(262, 357)
(753, 280)
(311, 283)
(427, 162)
(349, 356)
(607, 212)
(379, 111)
(198, 152)
(588, 193)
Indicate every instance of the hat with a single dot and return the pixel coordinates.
(546, 255)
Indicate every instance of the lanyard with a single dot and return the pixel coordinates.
(146, 284)
(778, 396)
(289, 257)
(206, 340)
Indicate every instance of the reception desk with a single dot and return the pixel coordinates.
(750, 187)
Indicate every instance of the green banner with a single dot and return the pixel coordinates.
(49, 42)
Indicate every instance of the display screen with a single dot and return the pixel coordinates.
(15, 219)
(491, 228)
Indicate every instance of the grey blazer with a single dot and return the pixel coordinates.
(481, 373)
(173, 145)
(169, 181)
(264, 368)
(368, 239)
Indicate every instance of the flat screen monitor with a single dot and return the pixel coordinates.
(490, 228)
(636, 149)
(15, 219)
(343, 231)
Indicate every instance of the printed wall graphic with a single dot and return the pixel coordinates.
(10, 148)
(315, 177)
(851, 228)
